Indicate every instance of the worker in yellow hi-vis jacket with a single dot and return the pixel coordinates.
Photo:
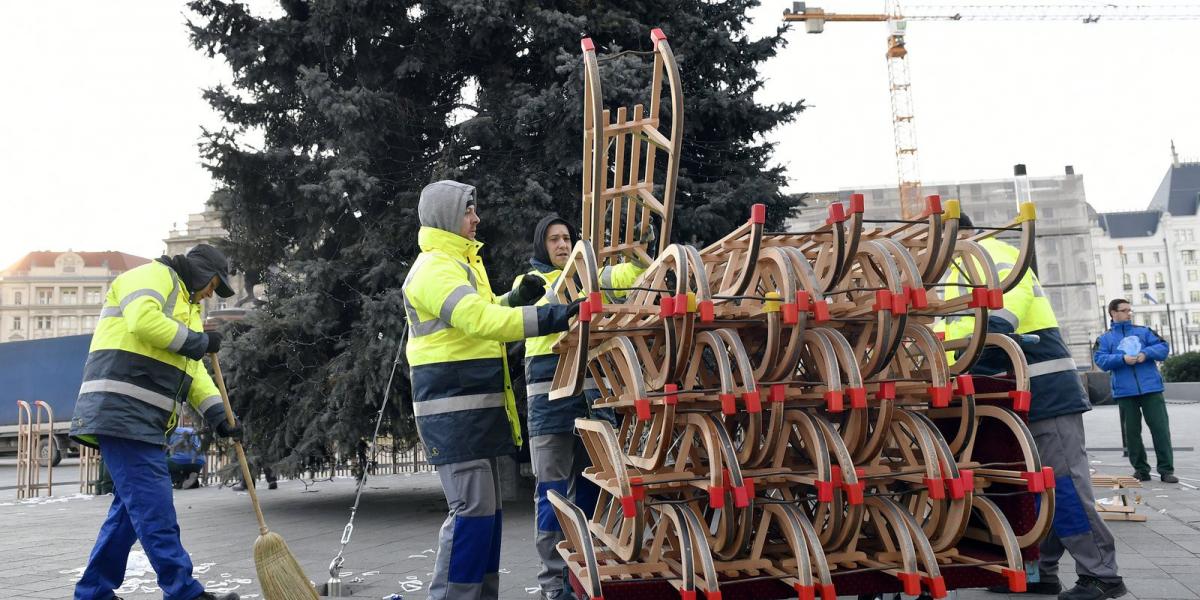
(462, 396)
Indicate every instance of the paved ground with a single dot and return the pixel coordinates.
(44, 544)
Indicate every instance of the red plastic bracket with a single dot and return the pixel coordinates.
(707, 313)
(687, 594)
(820, 311)
(628, 506)
(1020, 399)
(828, 592)
(587, 44)
(666, 306)
(857, 204)
(979, 298)
(965, 384)
(917, 297)
(585, 312)
(824, 491)
(837, 213)
(713, 595)
(803, 300)
(681, 305)
(657, 35)
(936, 586)
(858, 397)
(911, 583)
(1048, 477)
(833, 401)
(995, 298)
(937, 487)
(939, 396)
(672, 394)
(778, 393)
(637, 487)
(933, 205)
(1034, 481)
(1016, 580)
(791, 313)
(728, 404)
(887, 391)
(596, 299)
(752, 401)
(758, 214)
(968, 478)
(955, 485)
(716, 496)
(741, 497)
(805, 592)
(643, 408)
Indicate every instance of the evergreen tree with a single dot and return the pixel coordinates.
(340, 111)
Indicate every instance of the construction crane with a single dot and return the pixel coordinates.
(904, 129)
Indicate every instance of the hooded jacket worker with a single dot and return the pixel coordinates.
(1128, 352)
(1056, 422)
(462, 397)
(557, 453)
(144, 360)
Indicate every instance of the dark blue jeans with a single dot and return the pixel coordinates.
(142, 510)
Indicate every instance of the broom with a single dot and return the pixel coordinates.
(278, 572)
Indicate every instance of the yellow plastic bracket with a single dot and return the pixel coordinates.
(1027, 212)
(691, 302)
(772, 304)
(952, 209)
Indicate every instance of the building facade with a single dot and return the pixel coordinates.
(206, 228)
(53, 294)
(1063, 238)
(1151, 257)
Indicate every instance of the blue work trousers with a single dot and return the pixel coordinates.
(142, 510)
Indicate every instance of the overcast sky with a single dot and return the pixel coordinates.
(102, 112)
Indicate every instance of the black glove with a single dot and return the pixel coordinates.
(529, 291)
(225, 430)
(555, 318)
(214, 342)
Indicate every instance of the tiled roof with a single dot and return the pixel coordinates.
(116, 261)
(1179, 192)
(1137, 223)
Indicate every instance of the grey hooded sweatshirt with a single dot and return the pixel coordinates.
(443, 204)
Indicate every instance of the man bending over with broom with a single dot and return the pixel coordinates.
(144, 358)
(462, 396)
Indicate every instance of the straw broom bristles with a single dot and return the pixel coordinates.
(279, 575)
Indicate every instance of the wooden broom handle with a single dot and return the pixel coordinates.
(237, 445)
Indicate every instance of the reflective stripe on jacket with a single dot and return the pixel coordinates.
(138, 366)
(546, 417)
(1053, 380)
(1136, 379)
(462, 395)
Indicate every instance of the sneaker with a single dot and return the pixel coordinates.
(1048, 586)
(239, 486)
(1090, 588)
(272, 486)
(212, 596)
(1140, 476)
(192, 482)
(1169, 478)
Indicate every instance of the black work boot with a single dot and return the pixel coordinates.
(1169, 478)
(1090, 588)
(212, 596)
(1049, 585)
(1141, 476)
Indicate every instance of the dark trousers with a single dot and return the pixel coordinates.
(1155, 410)
(143, 510)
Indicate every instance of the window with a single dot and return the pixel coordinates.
(1194, 296)
(1124, 258)
(1099, 280)
(1141, 258)
(1143, 283)
(17, 323)
(1189, 257)
(1098, 261)
(1196, 318)
(70, 323)
(18, 298)
(1191, 275)
(1156, 259)
(89, 323)
(45, 323)
(45, 295)
(91, 295)
(1158, 281)
(69, 295)
(1184, 235)
(1126, 282)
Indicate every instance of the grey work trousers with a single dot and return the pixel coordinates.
(1077, 528)
(558, 461)
(467, 566)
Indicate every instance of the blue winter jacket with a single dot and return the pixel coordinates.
(1135, 379)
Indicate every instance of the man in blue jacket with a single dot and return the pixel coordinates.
(1128, 352)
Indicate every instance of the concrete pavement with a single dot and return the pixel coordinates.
(45, 543)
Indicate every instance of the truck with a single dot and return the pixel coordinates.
(50, 370)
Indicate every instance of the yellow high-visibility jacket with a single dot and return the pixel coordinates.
(547, 417)
(1053, 382)
(462, 394)
(144, 358)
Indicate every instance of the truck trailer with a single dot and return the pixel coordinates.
(50, 370)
